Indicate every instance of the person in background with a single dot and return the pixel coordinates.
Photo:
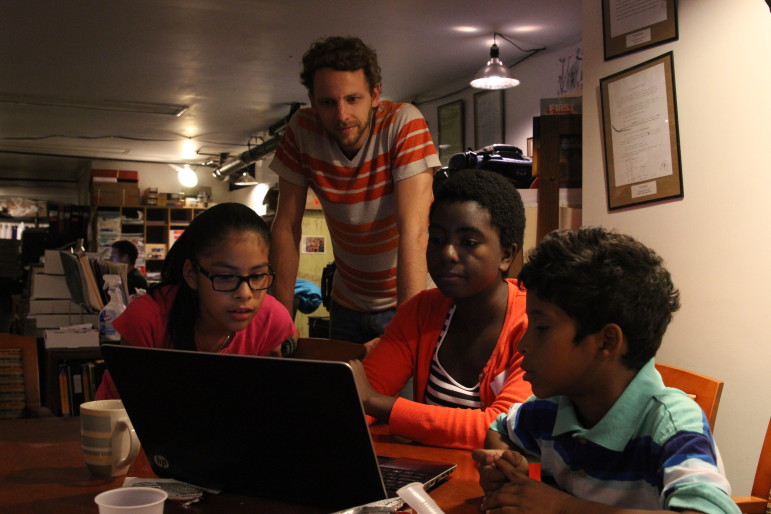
(370, 163)
(458, 341)
(127, 253)
(610, 437)
(212, 294)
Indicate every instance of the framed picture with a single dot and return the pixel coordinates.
(312, 244)
(631, 25)
(451, 130)
(488, 118)
(640, 134)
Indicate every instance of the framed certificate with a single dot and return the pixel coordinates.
(489, 118)
(631, 25)
(640, 134)
(451, 130)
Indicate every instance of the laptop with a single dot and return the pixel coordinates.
(288, 429)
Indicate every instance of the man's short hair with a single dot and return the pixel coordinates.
(598, 276)
(340, 54)
(127, 248)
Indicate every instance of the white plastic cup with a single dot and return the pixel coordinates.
(416, 497)
(136, 500)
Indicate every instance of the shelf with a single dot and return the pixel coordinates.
(53, 358)
(152, 225)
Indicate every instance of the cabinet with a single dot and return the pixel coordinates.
(156, 227)
(556, 163)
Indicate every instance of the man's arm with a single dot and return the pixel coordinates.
(285, 235)
(413, 199)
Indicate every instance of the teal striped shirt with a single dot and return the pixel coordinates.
(652, 450)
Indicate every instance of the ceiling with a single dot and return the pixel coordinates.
(80, 77)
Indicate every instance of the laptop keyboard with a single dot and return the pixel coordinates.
(394, 478)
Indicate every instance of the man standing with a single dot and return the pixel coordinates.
(371, 164)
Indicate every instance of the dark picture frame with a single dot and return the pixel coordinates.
(632, 25)
(489, 118)
(640, 134)
(452, 128)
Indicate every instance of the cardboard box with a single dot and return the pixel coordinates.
(128, 176)
(116, 194)
(49, 286)
(71, 339)
(53, 263)
(43, 321)
(54, 307)
(105, 173)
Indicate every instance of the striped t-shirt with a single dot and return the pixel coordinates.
(357, 195)
(652, 450)
(444, 390)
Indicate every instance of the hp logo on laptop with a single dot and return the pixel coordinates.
(161, 462)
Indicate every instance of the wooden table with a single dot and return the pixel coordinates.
(42, 470)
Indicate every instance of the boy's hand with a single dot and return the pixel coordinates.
(521, 494)
(493, 465)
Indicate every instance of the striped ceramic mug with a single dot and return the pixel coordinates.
(107, 437)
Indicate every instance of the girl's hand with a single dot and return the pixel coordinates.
(375, 404)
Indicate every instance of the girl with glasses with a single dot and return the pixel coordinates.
(212, 296)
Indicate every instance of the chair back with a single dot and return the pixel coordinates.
(761, 487)
(704, 390)
(29, 370)
(317, 348)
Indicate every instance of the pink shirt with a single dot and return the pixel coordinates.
(145, 323)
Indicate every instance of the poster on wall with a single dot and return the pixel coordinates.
(312, 244)
(571, 73)
(489, 116)
(451, 130)
(642, 145)
(632, 25)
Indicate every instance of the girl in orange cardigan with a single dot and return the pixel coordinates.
(458, 341)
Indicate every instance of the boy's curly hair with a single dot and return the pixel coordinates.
(598, 276)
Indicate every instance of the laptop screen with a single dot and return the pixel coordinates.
(288, 429)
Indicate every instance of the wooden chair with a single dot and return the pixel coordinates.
(761, 487)
(28, 347)
(316, 348)
(704, 390)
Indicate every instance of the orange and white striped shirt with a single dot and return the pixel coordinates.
(357, 195)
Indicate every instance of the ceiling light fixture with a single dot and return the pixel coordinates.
(246, 179)
(494, 75)
(186, 176)
(188, 149)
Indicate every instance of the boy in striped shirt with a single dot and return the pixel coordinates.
(609, 435)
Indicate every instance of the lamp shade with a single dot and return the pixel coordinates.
(494, 75)
(246, 179)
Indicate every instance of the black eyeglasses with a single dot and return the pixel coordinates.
(227, 283)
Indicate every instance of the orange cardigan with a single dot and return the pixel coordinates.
(406, 349)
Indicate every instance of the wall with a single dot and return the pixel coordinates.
(714, 240)
(164, 177)
(539, 77)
